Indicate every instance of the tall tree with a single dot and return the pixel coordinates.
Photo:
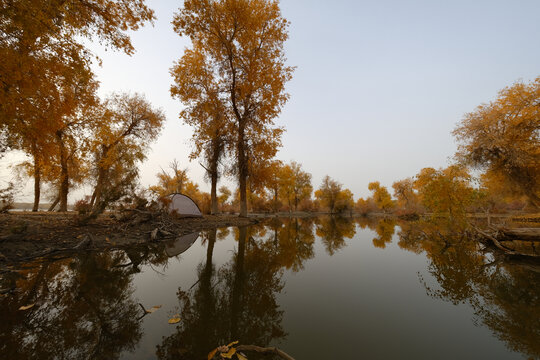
(128, 125)
(344, 201)
(407, 198)
(295, 184)
(328, 193)
(273, 182)
(381, 196)
(242, 42)
(504, 137)
(71, 129)
(41, 47)
(196, 86)
(50, 132)
(41, 40)
(445, 191)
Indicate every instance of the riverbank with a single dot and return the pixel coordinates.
(25, 236)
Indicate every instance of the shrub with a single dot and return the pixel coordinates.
(83, 206)
(7, 197)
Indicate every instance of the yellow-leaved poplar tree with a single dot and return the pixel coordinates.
(445, 191)
(242, 44)
(503, 137)
(127, 125)
(196, 85)
(381, 196)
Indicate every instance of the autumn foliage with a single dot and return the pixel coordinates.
(238, 50)
(231, 83)
(503, 137)
(49, 108)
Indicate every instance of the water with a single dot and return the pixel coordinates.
(327, 288)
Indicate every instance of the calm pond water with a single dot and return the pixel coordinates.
(326, 288)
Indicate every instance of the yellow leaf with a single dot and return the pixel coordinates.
(26, 307)
(175, 319)
(241, 356)
(233, 343)
(154, 308)
(212, 353)
(229, 354)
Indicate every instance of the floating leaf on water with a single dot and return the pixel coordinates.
(211, 354)
(233, 343)
(154, 308)
(241, 356)
(26, 307)
(175, 319)
(229, 354)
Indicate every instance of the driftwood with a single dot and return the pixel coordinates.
(86, 242)
(268, 350)
(494, 241)
(500, 246)
(527, 234)
(215, 354)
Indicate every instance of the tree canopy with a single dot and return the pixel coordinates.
(503, 137)
(241, 42)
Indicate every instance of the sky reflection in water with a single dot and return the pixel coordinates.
(325, 288)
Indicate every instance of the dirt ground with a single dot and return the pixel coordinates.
(27, 236)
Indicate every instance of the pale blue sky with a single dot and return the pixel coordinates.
(378, 88)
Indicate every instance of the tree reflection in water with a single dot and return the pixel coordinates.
(333, 230)
(84, 310)
(85, 306)
(238, 300)
(504, 292)
(384, 227)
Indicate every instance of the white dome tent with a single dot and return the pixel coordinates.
(183, 206)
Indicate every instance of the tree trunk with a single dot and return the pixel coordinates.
(96, 197)
(37, 183)
(55, 202)
(64, 176)
(534, 200)
(93, 198)
(275, 200)
(213, 196)
(242, 170)
(213, 191)
(97, 202)
(290, 207)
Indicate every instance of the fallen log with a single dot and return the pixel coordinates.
(268, 350)
(226, 351)
(500, 246)
(528, 234)
(86, 242)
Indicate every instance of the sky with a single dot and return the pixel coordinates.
(379, 85)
